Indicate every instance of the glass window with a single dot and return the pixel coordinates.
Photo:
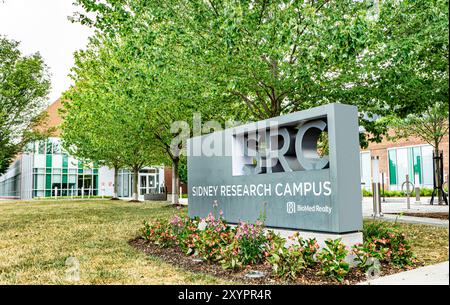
(72, 179)
(417, 162)
(87, 181)
(49, 147)
(427, 166)
(365, 170)
(41, 149)
(402, 165)
(392, 167)
(417, 165)
(40, 182)
(87, 171)
(56, 147)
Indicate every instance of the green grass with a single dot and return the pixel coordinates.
(36, 238)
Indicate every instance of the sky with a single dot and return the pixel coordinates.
(42, 26)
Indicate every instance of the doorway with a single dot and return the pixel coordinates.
(147, 184)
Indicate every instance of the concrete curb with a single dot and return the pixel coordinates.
(429, 275)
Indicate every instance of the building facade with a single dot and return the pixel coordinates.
(411, 156)
(45, 169)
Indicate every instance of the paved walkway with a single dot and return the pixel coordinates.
(398, 205)
(414, 220)
(429, 275)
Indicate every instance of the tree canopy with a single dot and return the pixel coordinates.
(24, 84)
(275, 57)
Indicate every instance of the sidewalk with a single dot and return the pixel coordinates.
(398, 205)
(429, 275)
(411, 219)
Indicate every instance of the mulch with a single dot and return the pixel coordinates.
(308, 276)
(436, 215)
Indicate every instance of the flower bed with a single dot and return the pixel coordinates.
(210, 245)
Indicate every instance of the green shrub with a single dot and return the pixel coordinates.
(159, 233)
(386, 243)
(425, 192)
(367, 193)
(332, 260)
(308, 248)
(376, 229)
(366, 253)
(185, 230)
(285, 262)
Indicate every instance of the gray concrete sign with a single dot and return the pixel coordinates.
(274, 168)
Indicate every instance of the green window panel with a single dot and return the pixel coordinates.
(64, 179)
(80, 165)
(64, 171)
(392, 167)
(417, 163)
(48, 181)
(95, 181)
(65, 161)
(95, 171)
(48, 160)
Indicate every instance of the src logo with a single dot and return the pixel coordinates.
(286, 149)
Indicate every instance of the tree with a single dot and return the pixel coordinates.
(170, 90)
(280, 57)
(430, 126)
(83, 134)
(24, 84)
(106, 115)
(406, 65)
(276, 57)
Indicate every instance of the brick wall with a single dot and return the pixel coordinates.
(168, 180)
(53, 118)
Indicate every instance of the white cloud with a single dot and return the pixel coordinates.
(42, 26)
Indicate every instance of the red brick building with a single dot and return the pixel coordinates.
(411, 156)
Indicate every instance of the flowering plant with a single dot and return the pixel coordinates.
(159, 233)
(213, 235)
(332, 260)
(286, 262)
(308, 247)
(246, 247)
(386, 243)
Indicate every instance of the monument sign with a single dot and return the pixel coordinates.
(276, 169)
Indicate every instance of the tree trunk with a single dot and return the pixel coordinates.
(135, 184)
(175, 181)
(116, 183)
(437, 174)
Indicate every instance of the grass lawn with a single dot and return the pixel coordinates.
(36, 238)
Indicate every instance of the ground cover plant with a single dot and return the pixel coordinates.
(246, 246)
